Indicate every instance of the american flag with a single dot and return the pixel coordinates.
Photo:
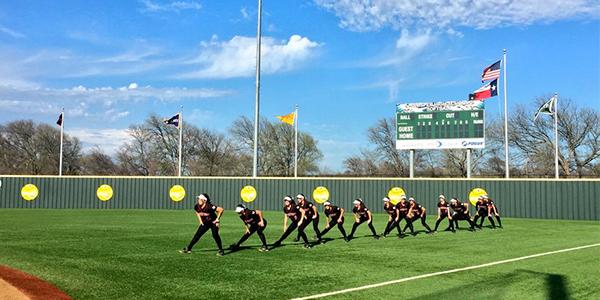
(492, 72)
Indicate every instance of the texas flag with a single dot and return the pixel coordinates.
(486, 91)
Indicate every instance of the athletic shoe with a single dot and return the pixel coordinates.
(347, 239)
(376, 237)
(263, 249)
(220, 253)
(307, 246)
(430, 232)
(234, 247)
(185, 251)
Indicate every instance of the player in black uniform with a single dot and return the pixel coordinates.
(492, 209)
(310, 214)
(481, 206)
(444, 212)
(403, 208)
(254, 222)
(292, 212)
(461, 212)
(208, 216)
(335, 216)
(416, 211)
(393, 217)
(362, 214)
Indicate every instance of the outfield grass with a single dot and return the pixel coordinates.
(132, 254)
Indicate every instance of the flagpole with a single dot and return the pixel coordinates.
(506, 167)
(556, 135)
(180, 123)
(257, 99)
(62, 129)
(296, 142)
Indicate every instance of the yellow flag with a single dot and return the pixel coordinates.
(289, 118)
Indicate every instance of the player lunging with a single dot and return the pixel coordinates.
(254, 222)
(310, 214)
(292, 212)
(335, 217)
(444, 212)
(208, 217)
(361, 215)
(417, 212)
(393, 217)
(461, 212)
(492, 209)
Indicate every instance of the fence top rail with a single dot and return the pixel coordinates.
(305, 178)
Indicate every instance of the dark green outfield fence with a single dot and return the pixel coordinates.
(548, 199)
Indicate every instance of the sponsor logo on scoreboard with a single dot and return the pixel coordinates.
(441, 144)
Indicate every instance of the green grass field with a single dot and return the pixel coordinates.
(132, 254)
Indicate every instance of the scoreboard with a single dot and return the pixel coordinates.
(440, 125)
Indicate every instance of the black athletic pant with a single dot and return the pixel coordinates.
(289, 231)
(423, 219)
(456, 217)
(497, 219)
(391, 225)
(333, 222)
(356, 224)
(255, 228)
(307, 222)
(202, 230)
(482, 214)
(408, 225)
(442, 217)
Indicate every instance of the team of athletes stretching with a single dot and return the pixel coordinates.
(299, 215)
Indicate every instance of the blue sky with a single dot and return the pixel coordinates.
(346, 63)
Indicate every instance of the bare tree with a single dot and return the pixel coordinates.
(30, 148)
(96, 162)
(276, 147)
(579, 138)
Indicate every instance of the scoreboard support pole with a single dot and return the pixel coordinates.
(468, 162)
(412, 163)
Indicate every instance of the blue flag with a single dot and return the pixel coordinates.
(174, 120)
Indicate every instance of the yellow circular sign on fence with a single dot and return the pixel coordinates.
(248, 193)
(475, 194)
(321, 194)
(29, 192)
(395, 194)
(104, 192)
(177, 193)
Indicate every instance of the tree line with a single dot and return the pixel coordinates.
(152, 150)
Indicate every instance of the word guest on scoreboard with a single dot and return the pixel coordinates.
(440, 125)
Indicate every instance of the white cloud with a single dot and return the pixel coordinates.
(83, 101)
(244, 13)
(173, 6)
(414, 43)
(367, 15)
(109, 140)
(237, 57)
(12, 33)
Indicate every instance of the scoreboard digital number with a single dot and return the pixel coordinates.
(440, 125)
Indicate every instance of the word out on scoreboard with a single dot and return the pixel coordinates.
(440, 125)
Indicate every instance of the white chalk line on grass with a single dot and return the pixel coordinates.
(370, 286)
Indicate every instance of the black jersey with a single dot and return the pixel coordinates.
(490, 203)
(458, 207)
(250, 217)
(417, 209)
(481, 205)
(362, 212)
(403, 208)
(390, 209)
(308, 208)
(293, 212)
(333, 212)
(208, 212)
(443, 207)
